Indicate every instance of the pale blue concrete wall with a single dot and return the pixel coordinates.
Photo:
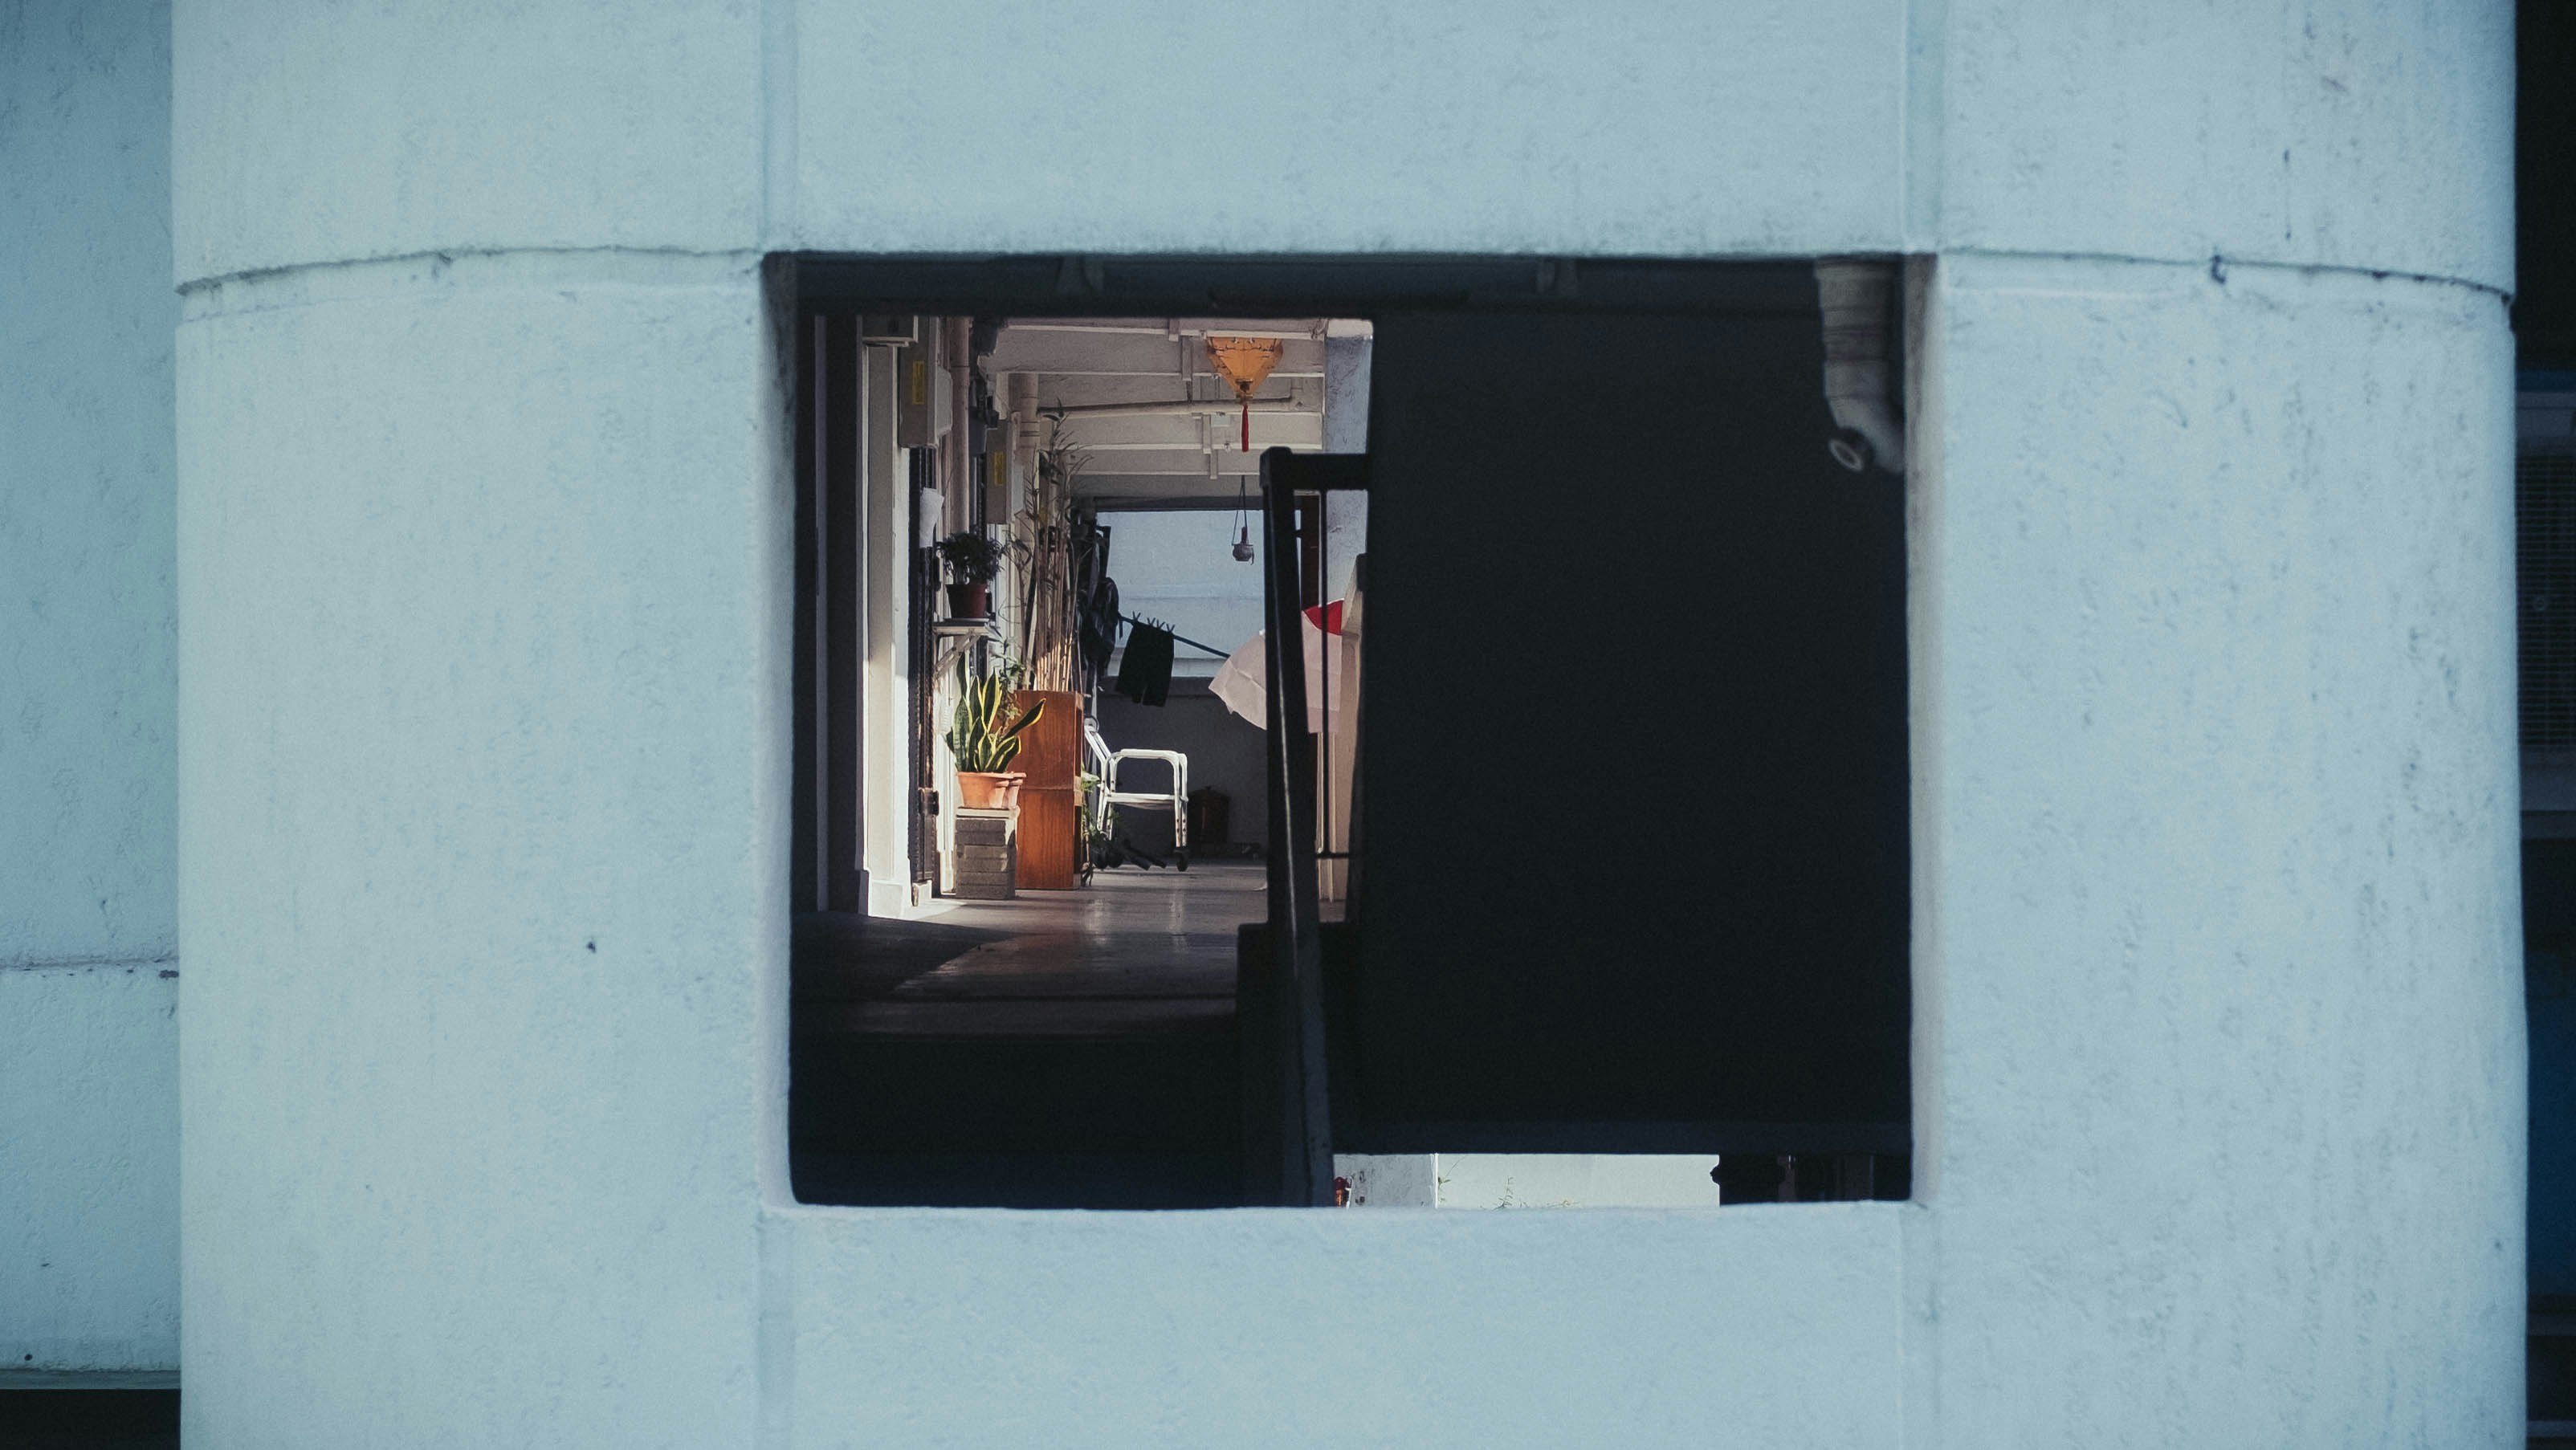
(483, 593)
(89, 1130)
(1289, 1327)
(2219, 1035)
(2218, 988)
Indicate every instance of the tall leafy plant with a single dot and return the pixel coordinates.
(984, 734)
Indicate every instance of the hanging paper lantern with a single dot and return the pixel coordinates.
(1244, 362)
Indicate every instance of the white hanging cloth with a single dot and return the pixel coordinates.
(1332, 675)
(1242, 682)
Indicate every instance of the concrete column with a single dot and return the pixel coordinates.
(486, 545)
(2218, 1014)
(483, 602)
(887, 699)
(2218, 1020)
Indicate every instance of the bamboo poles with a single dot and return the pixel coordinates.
(1042, 538)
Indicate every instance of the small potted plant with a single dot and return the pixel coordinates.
(972, 559)
(984, 736)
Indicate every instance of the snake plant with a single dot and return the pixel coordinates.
(985, 735)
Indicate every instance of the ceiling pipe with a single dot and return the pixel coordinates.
(1174, 330)
(1858, 299)
(1170, 410)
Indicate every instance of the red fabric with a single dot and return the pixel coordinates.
(1327, 617)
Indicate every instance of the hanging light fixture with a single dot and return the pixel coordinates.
(1244, 362)
(1242, 525)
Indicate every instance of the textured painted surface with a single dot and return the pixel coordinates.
(2219, 1045)
(482, 746)
(1667, 127)
(2218, 985)
(87, 758)
(89, 1168)
(2372, 134)
(89, 1144)
(1777, 1326)
(2375, 134)
(309, 133)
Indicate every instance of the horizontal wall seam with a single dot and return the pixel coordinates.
(309, 283)
(305, 284)
(62, 964)
(161, 1377)
(2218, 266)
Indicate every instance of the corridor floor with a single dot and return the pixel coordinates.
(1062, 1049)
(1136, 953)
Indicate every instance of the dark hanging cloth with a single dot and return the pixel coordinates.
(1097, 623)
(1145, 671)
(1095, 605)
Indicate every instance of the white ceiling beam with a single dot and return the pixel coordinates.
(1168, 328)
(1117, 354)
(1170, 486)
(1181, 432)
(1175, 464)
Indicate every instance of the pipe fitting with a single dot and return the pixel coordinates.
(1858, 299)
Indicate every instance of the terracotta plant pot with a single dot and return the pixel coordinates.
(970, 601)
(980, 790)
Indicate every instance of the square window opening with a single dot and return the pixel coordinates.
(1569, 864)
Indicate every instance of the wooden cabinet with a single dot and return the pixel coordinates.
(1050, 814)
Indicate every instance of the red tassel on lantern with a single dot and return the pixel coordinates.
(1244, 362)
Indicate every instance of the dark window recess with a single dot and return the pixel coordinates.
(2544, 506)
(825, 874)
(1631, 864)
